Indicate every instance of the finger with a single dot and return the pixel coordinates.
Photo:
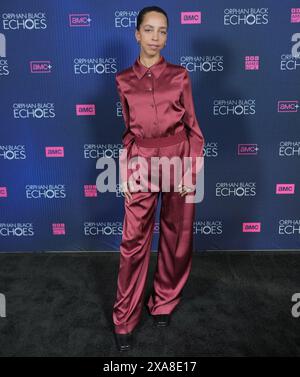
(183, 192)
(129, 194)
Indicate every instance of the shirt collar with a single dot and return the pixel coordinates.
(155, 68)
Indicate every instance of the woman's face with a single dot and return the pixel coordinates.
(153, 33)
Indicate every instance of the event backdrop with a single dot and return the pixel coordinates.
(60, 112)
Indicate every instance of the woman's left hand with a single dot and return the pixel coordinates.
(184, 190)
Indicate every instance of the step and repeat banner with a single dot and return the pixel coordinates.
(60, 112)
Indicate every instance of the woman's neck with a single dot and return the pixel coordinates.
(148, 62)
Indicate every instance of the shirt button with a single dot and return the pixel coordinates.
(149, 74)
(150, 89)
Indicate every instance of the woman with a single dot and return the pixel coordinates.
(160, 120)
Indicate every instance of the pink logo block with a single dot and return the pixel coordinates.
(288, 106)
(40, 66)
(251, 62)
(90, 191)
(191, 17)
(54, 151)
(295, 15)
(3, 192)
(285, 188)
(251, 227)
(79, 20)
(58, 229)
(85, 109)
(246, 149)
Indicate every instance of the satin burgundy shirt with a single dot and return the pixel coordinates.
(157, 102)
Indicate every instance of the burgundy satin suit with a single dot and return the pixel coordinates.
(160, 120)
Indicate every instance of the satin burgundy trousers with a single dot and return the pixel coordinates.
(175, 246)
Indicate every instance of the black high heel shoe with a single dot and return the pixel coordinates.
(123, 341)
(161, 320)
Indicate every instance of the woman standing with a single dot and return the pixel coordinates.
(160, 120)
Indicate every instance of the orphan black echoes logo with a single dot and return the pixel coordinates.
(228, 107)
(94, 65)
(105, 228)
(205, 63)
(246, 16)
(236, 189)
(2, 306)
(12, 152)
(288, 227)
(17, 230)
(296, 307)
(24, 21)
(4, 68)
(51, 191)
(95, 151)
(289, 148)
(33, 110)
(125, 18)
(208, 227)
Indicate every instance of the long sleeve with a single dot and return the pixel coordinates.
(127, 137)
(195, 136)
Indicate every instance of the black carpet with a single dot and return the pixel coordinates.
(234, 304)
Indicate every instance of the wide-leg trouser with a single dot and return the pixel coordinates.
(175, 246)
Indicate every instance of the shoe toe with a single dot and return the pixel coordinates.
(123, 341)
(161, 320)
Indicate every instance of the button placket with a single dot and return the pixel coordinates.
(149, 74)
(150, 89)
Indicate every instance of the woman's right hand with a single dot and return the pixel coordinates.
(125, 189)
